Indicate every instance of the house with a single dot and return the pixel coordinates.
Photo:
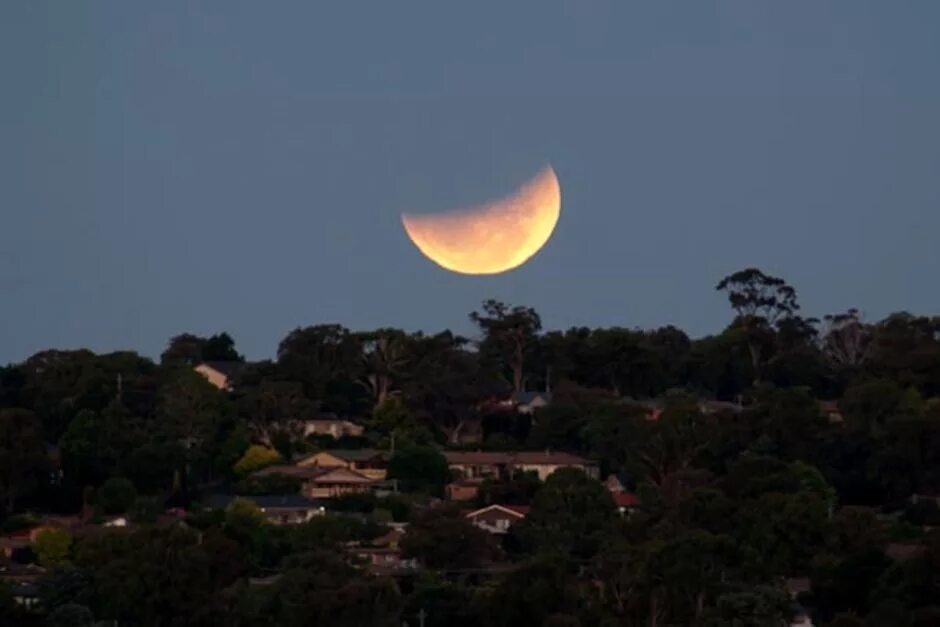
(382, 553)
(462, 489)
(545, 463)
(287, 509)
(832, 411)
(497, 519)
(22, 582)
(333, 427)
(479, 464)
(320, 482)
(530, 402)
(625, 502)
(220, 373)
(502, 464)
(368, 462)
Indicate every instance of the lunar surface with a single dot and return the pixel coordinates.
(493, 237)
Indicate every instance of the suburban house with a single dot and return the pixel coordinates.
(497, 519)
(220, 373)
(368, 462)
(382, 553)
(529, 402)
(522, 402)
(287, 509)
(502, 464)
(333, 427)
(832, 411)
(462, 489)
(625, 501)
(325, 482)
(22, 582)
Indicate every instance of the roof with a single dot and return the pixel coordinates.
(228, 368)
(519, 511)
(354, 455)
(276, 501)
(524, 398)
(625, 499)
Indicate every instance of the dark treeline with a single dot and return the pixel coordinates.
(785, 447)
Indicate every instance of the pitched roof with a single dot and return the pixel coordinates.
(524, 398)
(352, 455)
(519, 511)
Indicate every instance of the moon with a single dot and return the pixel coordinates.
(493, 237)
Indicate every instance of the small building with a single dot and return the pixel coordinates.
(530, 402)
(625, 502)
(545, 463)
(22, 581)
(382, 554)
(368, 462)
(220, 373)
(501, 465)
(462, 490)
(325, 482)
(286, 509)
(333, 427)
(497, 519)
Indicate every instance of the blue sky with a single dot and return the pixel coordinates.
(241, 166)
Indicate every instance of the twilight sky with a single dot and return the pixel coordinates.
(204, 166)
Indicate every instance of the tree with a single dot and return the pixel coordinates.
(846, 340)
(759, 301)
(420, 469)
(442, 538)
(52, 546)
(571, 513)
(256, 458)
(189, 350)
(383, 357)
(116, 495)
(508, 335)
(22, 454)
(71, 615)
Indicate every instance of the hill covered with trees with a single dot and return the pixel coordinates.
(788, 465)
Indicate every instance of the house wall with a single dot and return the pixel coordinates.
(215, 377)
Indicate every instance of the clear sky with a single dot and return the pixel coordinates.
(239, 165)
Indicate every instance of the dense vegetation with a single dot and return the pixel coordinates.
(735, 498)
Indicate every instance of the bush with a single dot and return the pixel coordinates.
(52, 546)
(359, 503)
(923, 512)
(256, 458)
(116, 495)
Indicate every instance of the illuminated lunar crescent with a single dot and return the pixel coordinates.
(494, 237)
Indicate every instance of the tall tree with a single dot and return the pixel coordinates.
(22, 454)
(383, 357)
(759, 301)
(509, 334)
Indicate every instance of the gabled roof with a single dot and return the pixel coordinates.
(517, 511)
(351, 455)
(525, 398)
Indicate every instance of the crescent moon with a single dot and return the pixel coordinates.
(494, 237)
